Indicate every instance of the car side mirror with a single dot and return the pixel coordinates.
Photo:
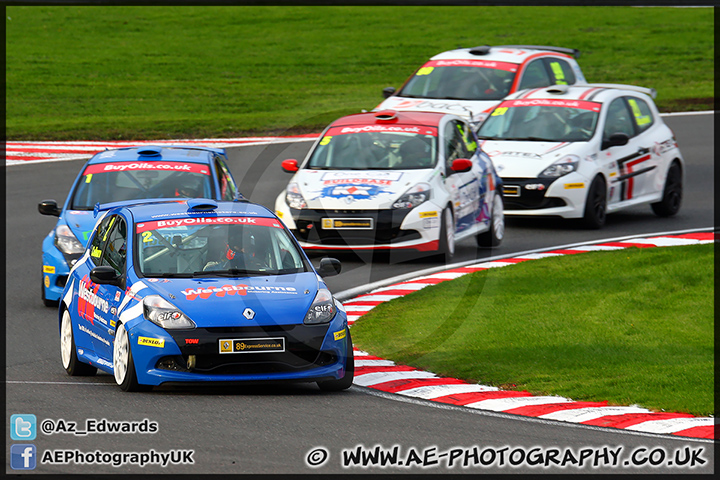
(615, 140)
(105, 275)
(329, 267)
(290, 165)
(49, 207)
(461, 165)
(388, 92)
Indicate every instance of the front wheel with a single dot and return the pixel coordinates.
(596, 204)
(123, 364)
(672, 193)
(346, 381)
(494, 236)
(446, 241)
(68, 352)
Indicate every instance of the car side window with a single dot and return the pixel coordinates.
(561, 71)
(535, 75)
(641, 113)
(97, 245)
(618, 120)
(455, 143)
(228, 188)
(116, 248)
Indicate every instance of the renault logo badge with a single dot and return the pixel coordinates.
(248, 313)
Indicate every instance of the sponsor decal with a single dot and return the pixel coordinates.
(88, 300)
(192, 341)
(48, 269)
(153, 166)
(117, 296)
(47, 281)
(546, 102)
(340, 335)
(252, 345)
(347, 223)
(185, 222)
(151, 342)
(94, 335)
(227, 290)
(428, 214)
(535, 186)
(418, 129)
(507, 66)
(570, 186)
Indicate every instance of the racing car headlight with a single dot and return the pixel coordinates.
(562, 167)
(294, 198)
(164, 314)
(417, 195)
(66, 241)
(322, 310)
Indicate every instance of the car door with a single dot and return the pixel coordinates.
(464, 187)
(113, 245)
(633, 162)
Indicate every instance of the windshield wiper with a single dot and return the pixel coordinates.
(169, 275)
(230, 272)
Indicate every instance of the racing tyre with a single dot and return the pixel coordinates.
(346, 381)
(68, 352)
(596, 204)
(46, 302)
(493, 237)
(123, 364)
(446, 241)
(672, 193)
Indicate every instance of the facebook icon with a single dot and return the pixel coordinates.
(22, 457)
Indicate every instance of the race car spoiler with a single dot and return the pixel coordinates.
(647, 91)
(483, 50)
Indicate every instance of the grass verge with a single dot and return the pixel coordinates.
(162, 72)
(631, 327)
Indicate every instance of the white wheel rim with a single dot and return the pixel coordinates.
(120, 355)
(498, 218)
(66, 340)
(450, 232)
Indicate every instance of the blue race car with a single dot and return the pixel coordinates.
(200, 290)
(126, 174)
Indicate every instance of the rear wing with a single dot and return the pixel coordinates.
(568, 51)
(651, 92)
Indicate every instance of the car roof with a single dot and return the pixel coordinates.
(158, 209)
(591, 92)
(505, 53)
(389, 117)
(150, 153)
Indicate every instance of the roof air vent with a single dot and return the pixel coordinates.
(557, 89)
(202, 204)
(149, 151)
(481, 50)
(386, 116)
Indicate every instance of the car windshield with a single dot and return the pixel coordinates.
(542, 121)
(215, 247)
(353, 148)
(114, 182)
(461, 80)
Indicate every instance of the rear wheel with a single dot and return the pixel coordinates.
(596, 204)
(346, 381)
(494, 236)
(68, 352)
(123, 364)
(672, 193)
(446, 241)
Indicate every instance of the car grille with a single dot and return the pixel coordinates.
(385, 231)
(528, 194)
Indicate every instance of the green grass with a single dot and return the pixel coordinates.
(631, 327)
(124, 72)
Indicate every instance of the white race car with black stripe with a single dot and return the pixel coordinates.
(583, 152)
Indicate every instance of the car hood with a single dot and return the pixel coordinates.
(356, 189)
(513, 159)
(462, 108)
(221, 302)
(81, 222)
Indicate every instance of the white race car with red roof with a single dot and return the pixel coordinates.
(393, 180)
(583, 152)
(471, 81)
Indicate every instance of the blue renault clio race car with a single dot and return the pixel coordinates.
(125, 174)
(198, 290)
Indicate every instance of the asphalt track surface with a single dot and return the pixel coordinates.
(280, 429)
